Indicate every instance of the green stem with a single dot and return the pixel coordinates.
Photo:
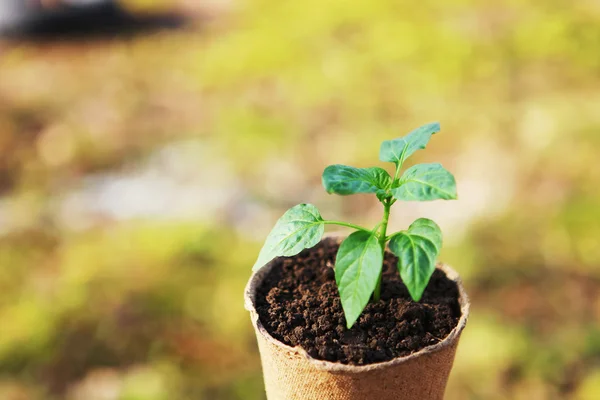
(387, 239)
(382, 241)
(398, 168)
(357, 227)
(376, 227)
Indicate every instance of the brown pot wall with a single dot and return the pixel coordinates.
(291, 374)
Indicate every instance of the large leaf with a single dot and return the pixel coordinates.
(417, 250)
(357, 268)
(398, 150)
(344, 180)
(299, 228)
(424, 182)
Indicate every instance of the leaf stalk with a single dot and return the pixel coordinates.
(382, 241)
(347, 224)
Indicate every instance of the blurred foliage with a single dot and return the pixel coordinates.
(140, 173)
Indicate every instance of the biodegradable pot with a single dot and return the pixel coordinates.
(291, 374)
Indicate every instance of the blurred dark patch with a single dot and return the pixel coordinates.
(98, 21)
(22, 127)
(543, 300)
(198, 252)
(84, 342)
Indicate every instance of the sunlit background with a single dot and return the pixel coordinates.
(147, 150)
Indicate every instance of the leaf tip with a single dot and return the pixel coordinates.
(453, 194)
(432, 127)
(258, 265)
(416, 293)
(416, 299)
(350, 322)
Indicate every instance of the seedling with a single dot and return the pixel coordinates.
(359, 260)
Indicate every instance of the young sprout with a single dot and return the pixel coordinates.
(359, 260)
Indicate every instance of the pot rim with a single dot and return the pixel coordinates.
(451, 339)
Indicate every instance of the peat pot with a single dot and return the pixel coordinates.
(290, 373)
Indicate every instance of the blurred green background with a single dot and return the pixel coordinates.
(140, 173)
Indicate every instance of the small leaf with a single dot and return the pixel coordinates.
(345, 180)
(299, 228)
(383, 195)
(357, 268)
(398, 150)
(417, 250)
(424, 182)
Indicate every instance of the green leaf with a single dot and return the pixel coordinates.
(299, 228)
(398, 150)
(357, 268)
(417, 250)
(345, 180)
(424, 182)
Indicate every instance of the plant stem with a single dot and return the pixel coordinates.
(382, 241)
(387, 239)
(349, 225)
(398, 168)
(376, 227)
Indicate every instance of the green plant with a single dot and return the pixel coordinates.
(359, 261)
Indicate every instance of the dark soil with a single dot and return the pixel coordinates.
(298, 304)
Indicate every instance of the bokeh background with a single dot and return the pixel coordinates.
(147, 150)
